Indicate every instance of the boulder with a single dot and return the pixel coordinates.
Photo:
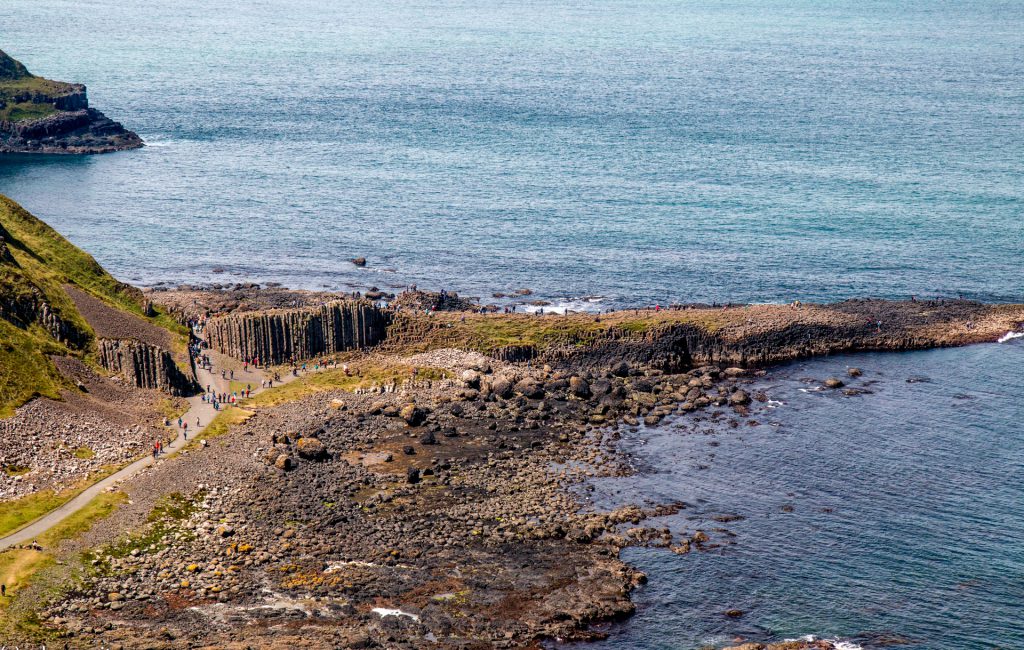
(834, 382)
(579, 387)
(413, 475)
(413, 415)
(739, 398)
(621, 369)
(311, 448)
(471, 378)
(502, 388)
(529, 389)
(284, 461)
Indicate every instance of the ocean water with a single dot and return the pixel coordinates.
(639, 152)
(907, 509)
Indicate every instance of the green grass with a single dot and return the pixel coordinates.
(360, 376)
(18, 513)
(41, 576)
(25, 111)
(15, 81)
(168, 512)
(84, 453)
(40, 263)
(100, 507)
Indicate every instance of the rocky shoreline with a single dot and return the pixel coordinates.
(421, 491)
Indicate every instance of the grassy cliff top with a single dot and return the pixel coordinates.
(16, 82)
(36, 264)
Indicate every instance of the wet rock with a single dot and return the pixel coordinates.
(359, 261)
(739, 398)
(854, 372)
(734, 613)
(428, 438)
(834, 382)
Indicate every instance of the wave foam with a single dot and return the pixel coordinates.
(384, 611)
(1009, 336)
(839, 645)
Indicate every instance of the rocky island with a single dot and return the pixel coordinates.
(371, 477)
(38, 115)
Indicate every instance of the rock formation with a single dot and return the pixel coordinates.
(282, 335)
(145, 366)
(42, 116)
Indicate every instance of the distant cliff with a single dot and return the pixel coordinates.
(42, 116)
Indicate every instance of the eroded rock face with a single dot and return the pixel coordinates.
(144, 366)
(280, 336)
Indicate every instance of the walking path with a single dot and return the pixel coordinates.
(204, 411)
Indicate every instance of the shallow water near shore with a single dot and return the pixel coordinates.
(907, 509)
(643, 152)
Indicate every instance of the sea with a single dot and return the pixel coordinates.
(609, 154)
(888, 518)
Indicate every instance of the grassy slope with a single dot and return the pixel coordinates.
(44, 262)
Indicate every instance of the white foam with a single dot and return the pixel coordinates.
(1009, 336)
(384, 611)
(839, 645)
(774, 404)
(587, 304)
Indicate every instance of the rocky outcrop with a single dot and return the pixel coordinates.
(73, 132)
(42, 116)
(144, 366)
(283, 335)
(24, 309)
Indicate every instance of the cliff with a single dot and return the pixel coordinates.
(38, 115)
(54, 300)
(145, 366)
(278, 336)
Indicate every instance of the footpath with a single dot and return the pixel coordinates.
(198, 410)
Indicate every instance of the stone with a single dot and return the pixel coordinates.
(284, 461)
(834, 382)
(739, 398)
(579, 387)
(621, 369)
(413, 415)
(311, 448)
(854, 372)
(471, 378)
(412, 476)
(428, 438)
(359, 261)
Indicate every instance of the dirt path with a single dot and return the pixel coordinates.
(200, 411)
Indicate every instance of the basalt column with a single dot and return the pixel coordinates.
(283, 335)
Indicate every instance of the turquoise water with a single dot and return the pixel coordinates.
(907, 509)
(639, 151)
